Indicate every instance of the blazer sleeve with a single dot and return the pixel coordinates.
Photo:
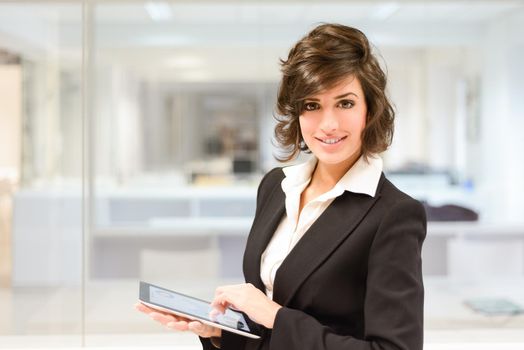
(394, 300)
(267, 184)
(206, 344)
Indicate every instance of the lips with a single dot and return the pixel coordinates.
(331, 140)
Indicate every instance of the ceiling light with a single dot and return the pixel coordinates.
(386, 10)
(159, 10)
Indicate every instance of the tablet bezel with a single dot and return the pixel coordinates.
(144, 299)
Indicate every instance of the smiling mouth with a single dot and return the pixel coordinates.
(331, 140)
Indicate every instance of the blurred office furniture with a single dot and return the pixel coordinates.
(231, 125)
(128, 222)
(460, 243)
(181, 220)
(136, 228)
(243, 166)
(191, 265)
(438, 190)
(47, 237)
(216, 220)
(472, 251)
(449, 212)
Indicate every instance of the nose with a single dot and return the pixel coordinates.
(329, 121)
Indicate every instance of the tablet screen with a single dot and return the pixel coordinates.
(192, 307)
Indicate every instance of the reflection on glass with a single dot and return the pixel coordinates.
(183, 100)
(40, 175)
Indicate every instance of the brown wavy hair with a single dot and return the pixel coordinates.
(319, 61)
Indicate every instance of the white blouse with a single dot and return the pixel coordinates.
(362, 177)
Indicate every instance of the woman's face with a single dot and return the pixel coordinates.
(332, 123)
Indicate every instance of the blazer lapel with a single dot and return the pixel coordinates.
(260, 235)
(333, 226)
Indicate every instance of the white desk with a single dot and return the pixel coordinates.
(47, 236)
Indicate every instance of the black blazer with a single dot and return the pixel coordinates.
(353, 281)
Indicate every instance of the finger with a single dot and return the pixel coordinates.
(162, 318)
(234, 308)
(223, 301)
(148, 310)
(143, 308)
(219, 299)
(178, 325)
(176, 318)
(214, 313)
(201, 329)
(218, 311)
(180, 318)
(217, 304)
(196, 327)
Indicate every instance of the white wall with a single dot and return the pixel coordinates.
(406, 72)
(502, 120)
(429, 87)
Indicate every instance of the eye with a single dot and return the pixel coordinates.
(346, 104)
(311, 106)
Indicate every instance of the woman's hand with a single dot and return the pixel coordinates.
(180, 323)
(248, 299)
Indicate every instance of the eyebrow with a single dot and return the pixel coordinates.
(336, 98)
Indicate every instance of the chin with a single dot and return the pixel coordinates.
(335, 159)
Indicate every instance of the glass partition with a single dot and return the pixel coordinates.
(41, 174)
(179, 101)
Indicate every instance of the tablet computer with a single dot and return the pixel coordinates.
(196, 309)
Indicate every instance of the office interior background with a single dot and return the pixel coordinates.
(133, 135)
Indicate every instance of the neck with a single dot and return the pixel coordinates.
(327, 175)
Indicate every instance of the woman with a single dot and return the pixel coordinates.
(333, 257)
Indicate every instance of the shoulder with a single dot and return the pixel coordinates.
(396, 202)
(269, 183)
(271, 178)
(399, 217)
(390, 194)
